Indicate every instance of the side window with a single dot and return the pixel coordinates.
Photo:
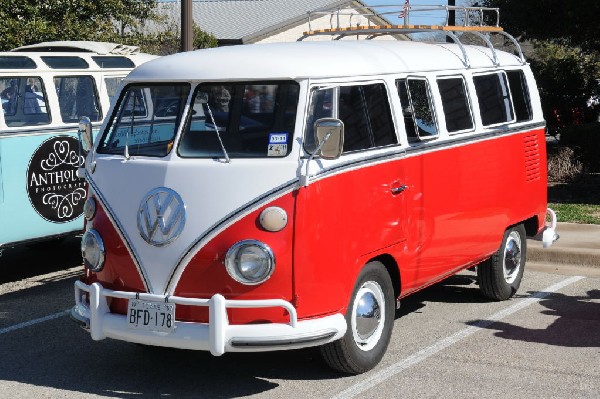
(24, 101)
(353, 113)
(520, 95)
(321, 106)
(112, 84)
(365, 111)
(455, 104)
(417, 109)
(77, 97)
(494, 98)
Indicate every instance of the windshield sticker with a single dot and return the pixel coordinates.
(277, 145)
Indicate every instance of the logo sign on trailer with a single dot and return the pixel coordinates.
(55, 191)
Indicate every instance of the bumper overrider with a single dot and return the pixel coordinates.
(217, 336)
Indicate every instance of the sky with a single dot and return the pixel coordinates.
(424, 18)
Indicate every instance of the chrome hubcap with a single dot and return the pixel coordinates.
(368, 315)
(512, 257)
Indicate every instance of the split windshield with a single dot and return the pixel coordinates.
(145, 120)
(241, 120)
(233, 120)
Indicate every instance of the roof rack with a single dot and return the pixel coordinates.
(351, 21)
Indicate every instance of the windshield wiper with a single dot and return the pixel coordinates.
(212, 119)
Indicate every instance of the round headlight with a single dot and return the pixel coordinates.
(89, 208)
(250, 262)
(92, 250)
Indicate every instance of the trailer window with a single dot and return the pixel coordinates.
(494, 99)
(455, 104)
(77, 97)
(520, 95)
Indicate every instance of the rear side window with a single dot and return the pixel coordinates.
(520, 95)
(455, 104)
(417, 109)
(24, 101)
(364, 110)
(77, 97)
(494, 98)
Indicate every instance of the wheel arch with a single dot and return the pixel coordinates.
(393, 270)
(531, 226)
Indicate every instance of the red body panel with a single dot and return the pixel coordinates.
(458, 202)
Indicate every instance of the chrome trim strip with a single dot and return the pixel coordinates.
(283, 341)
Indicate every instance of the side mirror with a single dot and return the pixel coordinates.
(329, 133)
(85, 133)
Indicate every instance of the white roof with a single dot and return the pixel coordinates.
(83, 46)
(316, 60)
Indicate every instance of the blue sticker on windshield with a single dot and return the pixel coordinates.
(277, 145)
(278, 138)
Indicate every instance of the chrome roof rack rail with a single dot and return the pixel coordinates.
(374, 21)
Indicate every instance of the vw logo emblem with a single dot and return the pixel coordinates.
(161, 216)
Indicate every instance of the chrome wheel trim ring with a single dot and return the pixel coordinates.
(512, 257)
(368, 315)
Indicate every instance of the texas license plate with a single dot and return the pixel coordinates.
(153, 316)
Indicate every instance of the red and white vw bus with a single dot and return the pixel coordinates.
(279, 196)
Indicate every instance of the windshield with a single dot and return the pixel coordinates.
(241, 120)
(145, 120)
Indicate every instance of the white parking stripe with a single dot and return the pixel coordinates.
(418, 357)
(33, 322)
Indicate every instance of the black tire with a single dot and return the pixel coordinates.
(500, 276)
(359, 351)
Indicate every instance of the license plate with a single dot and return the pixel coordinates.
(153, 316)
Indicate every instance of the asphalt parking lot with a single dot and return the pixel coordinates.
(448, 342)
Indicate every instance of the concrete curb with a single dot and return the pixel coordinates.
(579, 245)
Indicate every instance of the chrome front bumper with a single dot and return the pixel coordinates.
(217, 336)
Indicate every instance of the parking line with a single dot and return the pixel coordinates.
(35, 321)
(424, 354)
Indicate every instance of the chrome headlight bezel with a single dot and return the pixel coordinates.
(252, 249)
(92, 250)
(89, 209)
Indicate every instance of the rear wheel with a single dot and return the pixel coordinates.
(500, 276)
(370, 318)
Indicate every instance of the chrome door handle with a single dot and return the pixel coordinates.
(398, 190)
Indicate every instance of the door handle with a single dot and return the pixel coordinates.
(397, 190)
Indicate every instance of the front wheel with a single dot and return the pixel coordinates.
(500, 276)
(370, 318)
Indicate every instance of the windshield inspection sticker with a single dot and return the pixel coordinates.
(277, 144)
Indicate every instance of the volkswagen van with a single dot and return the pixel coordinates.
(278, 196)
(45, 89)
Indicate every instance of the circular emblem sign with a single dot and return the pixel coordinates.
(54, 189)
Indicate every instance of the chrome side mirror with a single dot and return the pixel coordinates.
(85, 133)
(329, 133)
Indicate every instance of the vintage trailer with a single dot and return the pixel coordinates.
(45, 89)
(278, 196)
